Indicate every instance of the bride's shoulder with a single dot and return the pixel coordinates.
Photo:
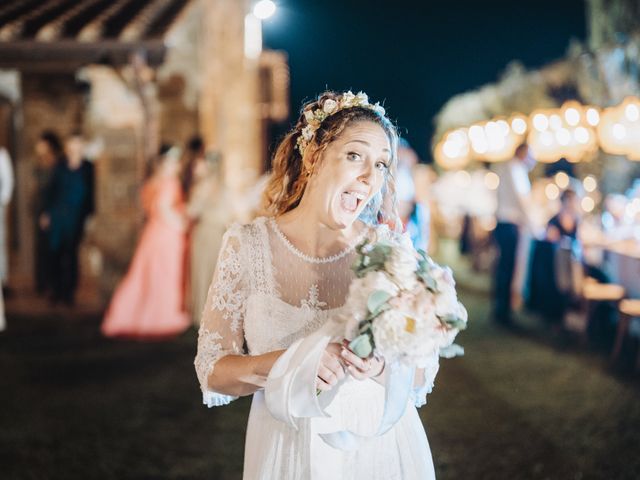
(242, 230)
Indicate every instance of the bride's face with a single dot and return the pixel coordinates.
(351, 171)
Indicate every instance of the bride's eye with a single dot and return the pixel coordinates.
(383, 166)
(353, 156)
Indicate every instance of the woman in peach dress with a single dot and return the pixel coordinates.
(149, 302)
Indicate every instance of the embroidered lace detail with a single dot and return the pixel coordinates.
(257, 250)
(210, 350)
(308, 258)
(313, 301)
(226, 293)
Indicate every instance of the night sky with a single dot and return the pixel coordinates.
(415, 54)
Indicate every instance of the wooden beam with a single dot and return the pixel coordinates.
(70, 54)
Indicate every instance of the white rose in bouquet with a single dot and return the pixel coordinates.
(360, 290)
(403, 337)
(402, 265)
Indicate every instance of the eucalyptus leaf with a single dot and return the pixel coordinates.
(376, 300)
(453, 350)
(453, 321)
(361, 345)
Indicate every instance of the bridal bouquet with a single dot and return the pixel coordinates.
(402, 306)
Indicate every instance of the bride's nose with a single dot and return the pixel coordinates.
(366, 176)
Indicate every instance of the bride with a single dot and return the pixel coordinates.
(282, 277)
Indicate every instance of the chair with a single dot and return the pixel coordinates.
(588, 291)
(628, 309)
(595, 293)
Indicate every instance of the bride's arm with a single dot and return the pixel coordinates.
(238, 375)
(224, 370)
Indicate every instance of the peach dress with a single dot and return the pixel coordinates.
(149, 302)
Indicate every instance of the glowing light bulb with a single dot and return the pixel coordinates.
(504, 127)
(572, 116)
(546, 138)
(491, 180)
(562, 180)
(519, 126)
(555, 121)
(619, 131)
(631, 112)
(476, 133)
(581, 135)
(264, 9)
(451, 148)
(588, 204)
(590, 183)
(593, 117)
(563, 136)
(552, 191)
(540, 122)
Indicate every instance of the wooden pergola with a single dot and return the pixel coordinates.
(48, 35)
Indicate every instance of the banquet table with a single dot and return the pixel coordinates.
(623, 265)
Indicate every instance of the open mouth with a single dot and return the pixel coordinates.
(351, 200)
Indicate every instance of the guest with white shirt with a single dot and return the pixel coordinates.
(6, 191)
(513, 217)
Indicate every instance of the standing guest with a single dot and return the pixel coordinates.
(414, 215)
(512, 217)
(210, 210)
(68, 203)
(193, 155)
(149, 302)
(6, 190)
(49, 153)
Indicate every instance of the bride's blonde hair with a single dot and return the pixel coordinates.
(291, 169)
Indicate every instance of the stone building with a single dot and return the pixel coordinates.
(130, 74)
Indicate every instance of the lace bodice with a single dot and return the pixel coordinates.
(265, 295)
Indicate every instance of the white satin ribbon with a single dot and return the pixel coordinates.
(290, 391)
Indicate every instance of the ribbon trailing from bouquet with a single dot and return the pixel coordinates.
(290, 391)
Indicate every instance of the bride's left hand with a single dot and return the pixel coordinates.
(360, 368)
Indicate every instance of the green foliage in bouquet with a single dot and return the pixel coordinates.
(372, 258)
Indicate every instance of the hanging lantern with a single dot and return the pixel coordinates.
(453, 151)
(561, 132)
(619, 129)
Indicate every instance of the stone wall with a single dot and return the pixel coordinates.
(49, 101)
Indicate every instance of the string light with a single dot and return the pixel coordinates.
(492, 180)
(573, 131)
(590, 183)
(588, 204)
(562, 180)
(552, 191)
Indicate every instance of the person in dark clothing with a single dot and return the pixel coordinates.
(49, 153)
(564, 225)
(70, 201)
(562, 230)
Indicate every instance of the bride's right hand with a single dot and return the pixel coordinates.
(330, 370)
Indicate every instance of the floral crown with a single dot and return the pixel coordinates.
(315, 117)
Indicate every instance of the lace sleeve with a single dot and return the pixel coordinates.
(425, 378)
(221, 328)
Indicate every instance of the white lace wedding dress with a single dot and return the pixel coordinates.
(265, 296)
